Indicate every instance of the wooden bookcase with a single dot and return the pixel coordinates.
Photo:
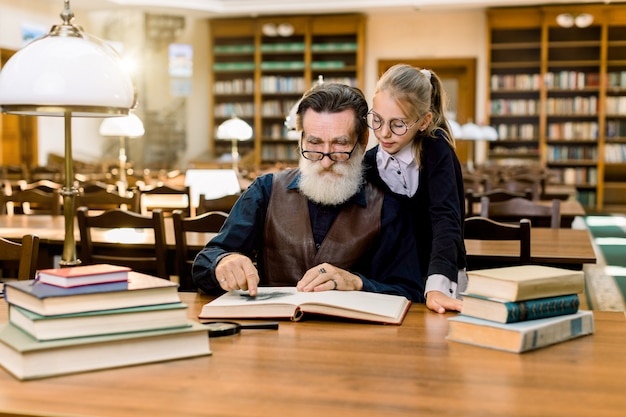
(262, 66)
(557, 96)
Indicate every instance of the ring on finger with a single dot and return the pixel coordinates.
(322, 270)
(334, 284)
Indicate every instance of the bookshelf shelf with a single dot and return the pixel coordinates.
(263, 76)
(576, 115)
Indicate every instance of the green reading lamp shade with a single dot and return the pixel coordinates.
(64, 71)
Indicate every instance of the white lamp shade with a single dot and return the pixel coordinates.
(583, 20)
(489, 133)
(234, 128)
(471, 131)
(290, 120)
(129, 126)
(54, 74)
(565, 20)
(455, 128)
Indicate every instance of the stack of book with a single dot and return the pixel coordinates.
(521, 308)
(94, 317)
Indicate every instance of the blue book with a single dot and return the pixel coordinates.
(44, 299)
(504, 311)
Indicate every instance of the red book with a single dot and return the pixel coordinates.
(83, 275)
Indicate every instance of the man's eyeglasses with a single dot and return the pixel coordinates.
(397, 126)
(334, 156)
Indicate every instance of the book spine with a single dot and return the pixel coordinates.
(542, 307)
(557, 332)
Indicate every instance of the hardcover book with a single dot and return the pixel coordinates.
(287, 302)
(522, 336)
(26, 358)
(516, 283)
(93, 323)
(504, 311)
(83, 275)
(44, 299)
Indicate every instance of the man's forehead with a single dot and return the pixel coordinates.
(326, 125)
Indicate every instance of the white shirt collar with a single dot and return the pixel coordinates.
(399, 171)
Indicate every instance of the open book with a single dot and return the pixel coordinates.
(287, 302)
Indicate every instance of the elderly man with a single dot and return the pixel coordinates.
(319, 227)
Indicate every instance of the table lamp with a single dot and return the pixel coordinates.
(472, 132)
(234, 129)
(66, 73)
(125, 127)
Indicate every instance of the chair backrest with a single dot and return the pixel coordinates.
(32, 201)
(149, 259)
(157, 197)
(517, 208)
(522, 183)
(495, 195)
(482, 228)
(224, 203)
(476, 182)
(210, 222)
(103, 197)
(42, 185)
(19, 260)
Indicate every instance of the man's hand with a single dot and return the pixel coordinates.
(326, 277)
(439, 302)
(237, 272)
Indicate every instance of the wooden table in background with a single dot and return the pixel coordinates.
(331, 368)
(566, 247)
(569, 248)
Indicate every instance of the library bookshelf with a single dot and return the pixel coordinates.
(557, 96)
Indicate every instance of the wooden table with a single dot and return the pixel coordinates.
(570, 248)
(566, 247)
(332, 368)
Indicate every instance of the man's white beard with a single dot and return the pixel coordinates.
(333, 186)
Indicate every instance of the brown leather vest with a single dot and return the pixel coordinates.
(289, 249)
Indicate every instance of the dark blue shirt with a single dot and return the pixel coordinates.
(389, 266)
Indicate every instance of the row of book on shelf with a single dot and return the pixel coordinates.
(93, 317)
(564, 80)
(521, 308)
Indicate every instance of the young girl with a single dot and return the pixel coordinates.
(415, 160)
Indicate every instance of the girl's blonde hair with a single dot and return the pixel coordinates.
(418, 91)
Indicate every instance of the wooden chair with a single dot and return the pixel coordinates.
(523, 182)
(167, 198)
(101, 196)
(476, 182)
(150, 260)
(494, 195)
(482, 228)
(517, 208)
(210, 222)
(32, 201)
(19, 260)
(224, 203)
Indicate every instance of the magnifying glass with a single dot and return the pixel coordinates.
(227, 328)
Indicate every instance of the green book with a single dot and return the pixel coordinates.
(93, 323)
(504, 311)
(27, 358)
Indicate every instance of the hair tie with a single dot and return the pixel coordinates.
(426, 73)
